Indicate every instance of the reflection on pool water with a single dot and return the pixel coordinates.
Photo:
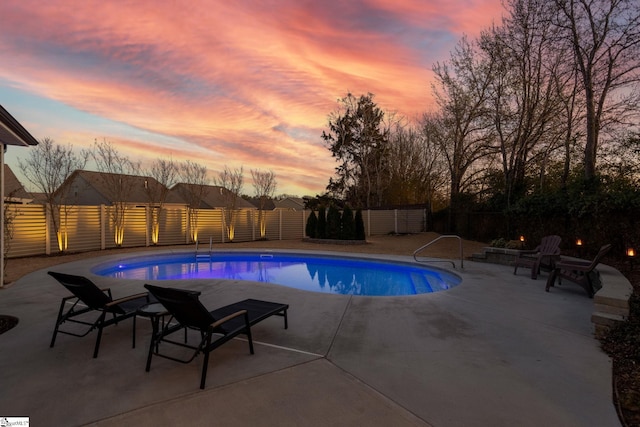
(317, 273)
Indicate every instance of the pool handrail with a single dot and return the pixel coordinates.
(444, 236)
(204, 255)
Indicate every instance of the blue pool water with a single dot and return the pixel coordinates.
(317, 273)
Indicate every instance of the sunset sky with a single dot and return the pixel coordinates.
(236, 83)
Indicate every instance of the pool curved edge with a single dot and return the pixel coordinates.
(452, 279)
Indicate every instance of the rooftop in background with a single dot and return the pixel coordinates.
(14, 192)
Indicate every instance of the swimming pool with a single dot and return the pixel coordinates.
(310, 272)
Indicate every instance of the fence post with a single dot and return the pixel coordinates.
(103, 225)
(253, 225)
(187, 228)
(395, 221)
(224, 225)
(147, 217)
(47, 230)
(280, 224)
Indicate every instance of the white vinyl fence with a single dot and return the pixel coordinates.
(90, 228)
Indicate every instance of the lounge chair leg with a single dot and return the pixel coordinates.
(58, 322)
(55, 334)
(99, 338)
(205, 364)
(134, 332)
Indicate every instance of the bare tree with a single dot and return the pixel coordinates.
(231, 182)
(10, 214)
(165, 173)
(522, 101)
(47, 167)
(461, 127)
(196, 188)
(264, 186)
(605, 38)
(415, 166)
(119, 174)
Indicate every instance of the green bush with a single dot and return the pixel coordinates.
(333, 223)
(348, 231)
(359, 224)
(311, 228)
(321, 232)
(498, 243)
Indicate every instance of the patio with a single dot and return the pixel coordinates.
(495, 350)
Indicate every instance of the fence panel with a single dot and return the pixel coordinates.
(410, 220)
(135, 226)
(210, 226)
(382, 222)
(173, 226)
(29, 230)
(244, 226)
(83, 229)
(293, 225)
(272, 219)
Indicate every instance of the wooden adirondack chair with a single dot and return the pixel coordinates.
(578, 271)
(544, 255)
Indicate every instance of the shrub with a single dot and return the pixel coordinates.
(359, 225)
(348, 224)
(321, 231)
(333, 223)
(311, 228)
(498, 243)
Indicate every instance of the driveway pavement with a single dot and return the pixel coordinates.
(494, 351)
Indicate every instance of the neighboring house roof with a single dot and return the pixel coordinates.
(269, 204)
(291, 203)
(12, 132)
(97, 188)
(39, 198)
(213, 196)
(13, 189)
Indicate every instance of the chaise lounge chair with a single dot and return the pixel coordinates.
(543, 256)
(89, 298)
(216, 327)
(582, 272)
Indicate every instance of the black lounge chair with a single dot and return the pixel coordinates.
(88, 298)
(581, 272)
(216, 327)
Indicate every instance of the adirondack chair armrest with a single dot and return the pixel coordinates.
(573, 265)
(519, 254)
(227, 318)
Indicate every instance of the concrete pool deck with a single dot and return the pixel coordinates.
(494, 351)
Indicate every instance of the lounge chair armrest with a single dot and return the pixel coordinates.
(125, 299)
(227, 318)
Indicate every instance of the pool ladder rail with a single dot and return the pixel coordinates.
(446, 236)
(204, 256)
